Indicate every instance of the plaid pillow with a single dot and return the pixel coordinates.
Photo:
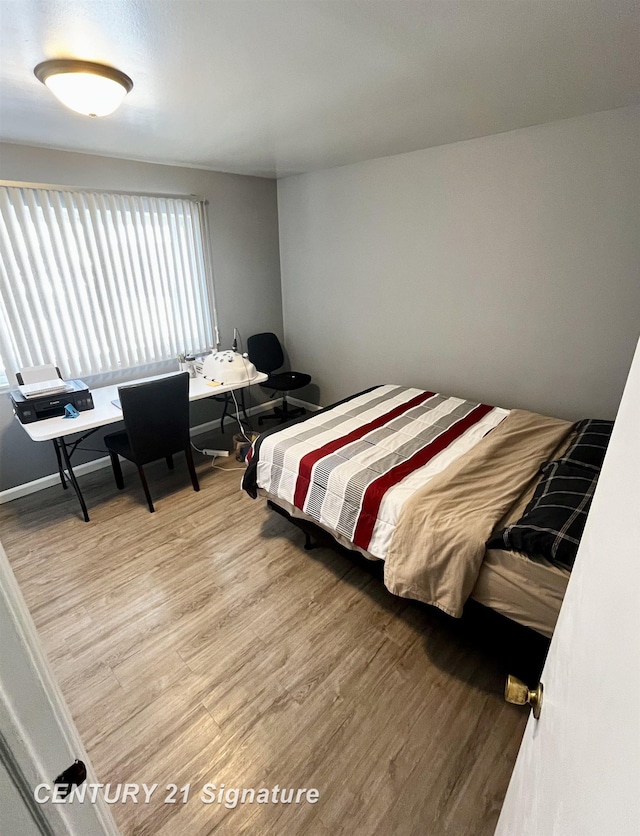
(553, 521)
(590, 444)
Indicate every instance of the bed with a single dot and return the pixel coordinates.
(440, 489)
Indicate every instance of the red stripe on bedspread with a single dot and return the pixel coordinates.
(375, 492)
(307, 462)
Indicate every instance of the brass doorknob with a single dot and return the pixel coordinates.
(516, 692)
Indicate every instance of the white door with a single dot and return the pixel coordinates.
(578, 769)
(38, 739)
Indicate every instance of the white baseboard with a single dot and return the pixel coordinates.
(97, 464)
(53, 479)
(311, 407)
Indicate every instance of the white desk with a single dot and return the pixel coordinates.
(103, 414)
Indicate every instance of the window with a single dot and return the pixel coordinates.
(96, 282)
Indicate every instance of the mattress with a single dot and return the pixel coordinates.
(526, 590)
(529, 591)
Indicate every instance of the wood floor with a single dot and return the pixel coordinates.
(203, 644)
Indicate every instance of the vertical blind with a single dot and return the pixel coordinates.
(95, 282)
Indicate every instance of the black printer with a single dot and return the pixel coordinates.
(52, 405)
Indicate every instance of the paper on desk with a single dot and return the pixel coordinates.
(39, 374)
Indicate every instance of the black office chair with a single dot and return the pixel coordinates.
(156, 418)
(265, 352)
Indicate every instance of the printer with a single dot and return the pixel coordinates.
(37, 407)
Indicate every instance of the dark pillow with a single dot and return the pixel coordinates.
(590, 444)
(553, 521)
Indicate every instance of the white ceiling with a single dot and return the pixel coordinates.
(274, 87)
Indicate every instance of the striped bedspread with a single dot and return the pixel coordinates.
(353, 466)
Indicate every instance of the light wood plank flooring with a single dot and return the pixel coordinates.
(203, 644)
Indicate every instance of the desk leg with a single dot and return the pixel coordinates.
(72, 476)
(228, 397)
(63, 481)
(224, 411)
(244, 409)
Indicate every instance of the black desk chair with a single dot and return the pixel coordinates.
(156, 418)
(265, 352)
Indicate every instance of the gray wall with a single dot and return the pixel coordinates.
(244, 231)
(505, 268)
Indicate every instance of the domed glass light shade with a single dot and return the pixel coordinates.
(88, 88)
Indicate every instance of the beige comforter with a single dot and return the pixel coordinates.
(439, 542)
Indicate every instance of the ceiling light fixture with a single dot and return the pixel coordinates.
(88, 88)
